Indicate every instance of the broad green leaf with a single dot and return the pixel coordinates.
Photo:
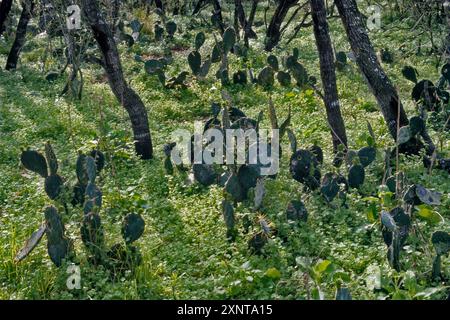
(322, 266)
(273, 273)
(429, 215)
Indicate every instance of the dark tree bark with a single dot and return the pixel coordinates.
(327, 73)
(249, 33)
(218, 14)
(236, 18)
(245, 24)
(159, 4)
(447, 40)
(112, 65)
(378, 81)
(5, 8)
(273, 34)
(115, 15)
(21, 32)
(198, 6)
(239, 9)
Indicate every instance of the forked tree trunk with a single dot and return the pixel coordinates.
(218, 13)
(378, 81)
(273, 34)
(239, 9)
(21, 32)
(5, 8)
(198, 6)
(327, 73)
(112, 65)
(249, 33)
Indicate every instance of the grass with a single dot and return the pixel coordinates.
(185, 251)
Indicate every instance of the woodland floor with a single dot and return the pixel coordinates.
(185, 251)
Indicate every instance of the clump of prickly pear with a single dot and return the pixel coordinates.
(46, 167)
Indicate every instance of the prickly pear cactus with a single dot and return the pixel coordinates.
(204, 174)
(58, 245)
(34, 161)
(296, 211)
(171, 28)
(52, 162)
(356, 176)
(99, 158)
(228, 216)
(199, 40)
(284, 78)
(132, 227)
(299, 73)
(195, 62)
(330, 187)
(53, 186)
(266, 77)
(92, 236)
(367, 155)
(229, 39)
(273, 62)
(235, 189)
(304, 168)
(240, 77)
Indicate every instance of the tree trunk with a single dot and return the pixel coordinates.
(249, 33)
(239, 9)
(159, 4)
(378, 81)
(21, 33)
(447, 40)
(112, 65)
(115, 16)
(198, 6)
(327, 73)
(273, 31)
(218, 14)
(236, 18)
(5, 7)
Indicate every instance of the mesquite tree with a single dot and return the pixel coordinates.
(246, 24)
(112, 65)
(273, 33)
(5, 7)
(327, 73)
(368, 63)
(217, 13)
(21, 32)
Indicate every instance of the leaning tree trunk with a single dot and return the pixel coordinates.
(218, 15)
(447, 40)
(327, 73)
(273, 34)
(21, 32)
(239, 9)
(5, 7)
(249, 33)
(112, 65)
(378, 81)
